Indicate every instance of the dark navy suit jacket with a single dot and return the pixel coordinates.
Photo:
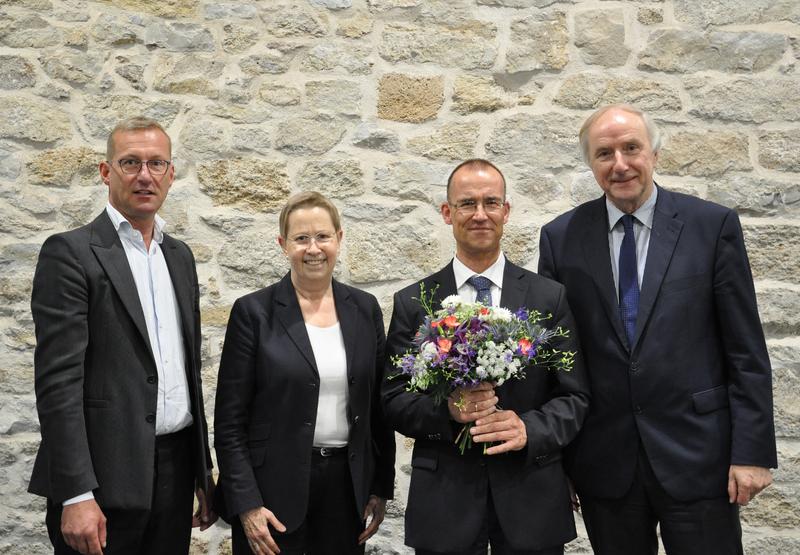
(695, 389)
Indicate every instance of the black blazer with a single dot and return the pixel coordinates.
(96, 377)
(448, 496)
(695, 389)
(267, 395)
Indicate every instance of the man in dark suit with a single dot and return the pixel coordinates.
(515, 497)
(117, 367)
(680, 430)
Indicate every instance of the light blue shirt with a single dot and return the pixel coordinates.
(642, 226)
(162, 317)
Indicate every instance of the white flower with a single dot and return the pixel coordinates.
(451, 301)
(502, 314)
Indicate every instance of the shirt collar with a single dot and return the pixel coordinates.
(494, 272)
(123, 226)
(644, 214)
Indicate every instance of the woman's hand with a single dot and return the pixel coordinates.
(256, 527)
(376, 507)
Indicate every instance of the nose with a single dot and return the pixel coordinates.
(144, 173)
(480, 212)
(620, 164)
(312, 245)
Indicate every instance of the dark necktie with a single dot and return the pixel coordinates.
(484, 288)
(628, 280)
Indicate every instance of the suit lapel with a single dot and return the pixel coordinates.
(180, 273)
(444, 283)
(598, 260)
(513, 291)
(663, 238)
(347, 312)
(107, 247)
(291, 318)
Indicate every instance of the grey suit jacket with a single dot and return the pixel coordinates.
(95, 374)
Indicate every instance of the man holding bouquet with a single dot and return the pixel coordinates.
(508, 490)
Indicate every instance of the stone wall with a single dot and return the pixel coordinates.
(372, 102)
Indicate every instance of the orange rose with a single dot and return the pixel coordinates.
(524, 346)
(451, 321)
(444, 345)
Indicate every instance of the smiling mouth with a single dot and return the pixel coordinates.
(144, 192)
(315, 262)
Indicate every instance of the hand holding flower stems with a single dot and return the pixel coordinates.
(464, 350)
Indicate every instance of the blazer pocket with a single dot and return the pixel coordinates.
(95, 403)
(711, 399)
(548, 458)
(681, 284)
(426, 461)
(257, 432)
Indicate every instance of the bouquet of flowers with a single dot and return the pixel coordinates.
(463, 344)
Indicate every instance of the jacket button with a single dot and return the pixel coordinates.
(306, 423)
(150, 418)
(355, 420)
(312, 385)
(637, 409)
(352, 380)
(634, 366)
(151, 379)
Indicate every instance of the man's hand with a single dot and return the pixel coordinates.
(204, 517)
(376, 507)
(469, 404)
(745, 482)
(255, 523)
(83, 525)
(503, 427)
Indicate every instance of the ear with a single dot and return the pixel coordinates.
(282, 243)
(105, 170)
(506, 211)
(447, 214)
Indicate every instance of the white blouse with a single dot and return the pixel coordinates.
(331, 429)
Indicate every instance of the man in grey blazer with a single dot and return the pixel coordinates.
(117, 368)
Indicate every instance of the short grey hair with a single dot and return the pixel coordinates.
(653, 133)
(135, 123)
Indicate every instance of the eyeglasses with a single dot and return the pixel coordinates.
(306, 240)
(132, 166)
(470, 206)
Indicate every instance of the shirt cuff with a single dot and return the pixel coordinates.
(78, 498)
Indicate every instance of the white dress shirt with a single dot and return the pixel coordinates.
(493, 273)
(642, 225)
(162, 317)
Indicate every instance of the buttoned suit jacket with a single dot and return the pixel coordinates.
(695, 388)
(448, 495)
(267, 397)
(95, 374)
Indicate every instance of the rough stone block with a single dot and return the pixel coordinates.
(470, 46)
(538, 42)
(406, 250)
(338, 178)
(29, 31)
(649, 16)
(295, 20)
(355, 27)
(704, 153)
(108, 110)
(253, 138)
(409, 179)
(600, 37)
(256, 184)
(179, 37)
(727, 12)
(409, 98)
(331, 56)
(230, 10)
(238, 38)
(76, 68)
(685, 51)
(779, 308)
(58, 167)
(116, 31)
(745, 99)
(337, 96)
(309, 135)
(755, 196)
(547, 141)
(452, 141)
(369, 135)
(379, 6)
(16, 73)
(188, 74)
(591, 90)
(773, 250)
(775, 507)
(203, 138)
(252, 259)
(165, 8)
(32, 120)
(779, 150)
(473, 93)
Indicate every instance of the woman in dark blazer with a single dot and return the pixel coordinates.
(304, 455)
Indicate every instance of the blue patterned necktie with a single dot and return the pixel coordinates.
(484, 288)
(628, 280)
